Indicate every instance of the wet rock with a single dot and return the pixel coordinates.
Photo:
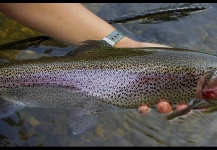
(60, 130)
(100, 131)
(34, 122)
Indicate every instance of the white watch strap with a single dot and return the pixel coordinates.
(113, 37)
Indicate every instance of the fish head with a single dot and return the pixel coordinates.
(209, 86)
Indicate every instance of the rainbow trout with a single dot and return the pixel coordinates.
(97, 78)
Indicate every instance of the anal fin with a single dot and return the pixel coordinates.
(81, 120)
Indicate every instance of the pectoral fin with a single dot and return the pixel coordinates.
(9, 107)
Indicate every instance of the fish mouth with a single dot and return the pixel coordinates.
(207, 87)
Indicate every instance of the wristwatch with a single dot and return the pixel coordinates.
(113, 37)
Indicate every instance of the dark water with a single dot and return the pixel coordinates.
(50, 127)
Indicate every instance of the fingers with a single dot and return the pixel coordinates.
(143, 109)
(164, 107)
(181, 107)
(155, 45)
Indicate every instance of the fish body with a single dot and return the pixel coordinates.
(98, 78)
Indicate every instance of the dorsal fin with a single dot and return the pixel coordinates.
(100, 50)
(90, 45)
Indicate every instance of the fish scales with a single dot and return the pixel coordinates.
(124, 77)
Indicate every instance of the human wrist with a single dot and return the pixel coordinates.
(118, 40)
(114, 37)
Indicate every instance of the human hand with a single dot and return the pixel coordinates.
(163, 107)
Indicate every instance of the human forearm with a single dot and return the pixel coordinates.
(71, 22)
